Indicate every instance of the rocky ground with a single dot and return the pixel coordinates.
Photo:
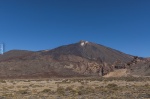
(76, 88)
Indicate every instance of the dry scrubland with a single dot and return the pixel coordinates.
(76, 88)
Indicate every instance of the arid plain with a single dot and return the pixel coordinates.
(76, 88)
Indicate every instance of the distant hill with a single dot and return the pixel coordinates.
(74, 60)
(14, 54)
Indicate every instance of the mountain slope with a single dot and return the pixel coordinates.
(140, 68)
(73, 60)
(90, 51)
(14, 54)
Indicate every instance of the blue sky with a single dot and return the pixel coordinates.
(45, 24)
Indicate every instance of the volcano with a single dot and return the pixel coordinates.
(81, 59)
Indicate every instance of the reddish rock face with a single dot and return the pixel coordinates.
(80, 59)
(139, 67)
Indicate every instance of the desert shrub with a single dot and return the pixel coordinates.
(100, 79)
(2, 81)
(5, 89)
(36, 86)
(89, 90)
(65, 80)
(25, 86)
(144, 95)
(98, 88)
(60, 90)
(109, 79)
(112, 86)
(10, 87)
(131, 79)
(7, 95)
(114, 97)
(26, 80)
(70, 90)
(134, 78)
(23, 91)
(147, 85)
(82, 83)
(46, 90)
(34, 91)
(84, 90)
(80, 90)
(81, 87)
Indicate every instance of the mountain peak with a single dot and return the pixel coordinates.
(89, 50)
(83, 42)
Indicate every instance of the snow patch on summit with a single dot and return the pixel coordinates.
(83, 43)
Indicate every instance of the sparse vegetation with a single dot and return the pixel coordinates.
(60, 91)
(2, 81)
(47, 91)
(23, 92)
(75, 88)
